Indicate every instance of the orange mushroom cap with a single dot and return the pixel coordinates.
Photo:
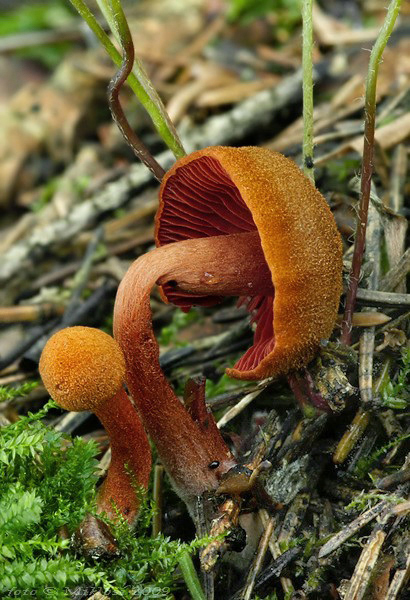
(221, 191)
(82, 368)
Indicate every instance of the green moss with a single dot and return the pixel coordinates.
(8, 393)
(47, 485)
(396, 394)
(341, 169)
(180, 320)
(223, 385)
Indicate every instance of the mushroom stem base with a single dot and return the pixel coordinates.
(130, 458)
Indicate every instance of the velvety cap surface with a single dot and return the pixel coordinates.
(222, 190)
(82, 367)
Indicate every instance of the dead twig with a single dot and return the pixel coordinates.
(241, 405)
(258, 561)
(366, 346)
(116, 83)
(353, 527)
(366, 564)
(30, 312)
(376, 298)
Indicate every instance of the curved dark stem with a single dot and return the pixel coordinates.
(115, 85)
(366, 180)
(367, 165)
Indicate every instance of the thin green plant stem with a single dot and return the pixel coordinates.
(190, 576)
(307, 68)
(367, 165)
(116, 83)
(151, 102)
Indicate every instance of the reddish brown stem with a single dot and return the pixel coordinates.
(367, 166)
(130, 464)
(186, 446)
(360, 239)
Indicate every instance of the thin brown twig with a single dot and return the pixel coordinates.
(116, 83)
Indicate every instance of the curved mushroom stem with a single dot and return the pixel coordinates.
(224, 265)
(130, 464)
(228, 265)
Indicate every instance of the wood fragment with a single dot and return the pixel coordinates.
(380, 581)
(228, 518)
(258, 561)
(386, 137)
(324, 116)
(267, 578)
(235, 92)
(240, 406)
(290, 524)
(183, 57)
(17, 232)
(28, 39)
(275, 550)
(398, 477)
(104, 463)
(331, 31)
(395, 229)
(376, 298)
(394, 479)
(400, 578)
(398, 179)
(393, 429)
(353, 527)
(367, 319)
(70, 421)
(29, 312)
(351, 436)
(365, 566)
(206, 79)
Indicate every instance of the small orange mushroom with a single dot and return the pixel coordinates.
(231, 221)
(84, 369)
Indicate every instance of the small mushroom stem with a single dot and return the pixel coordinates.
(228, 265)
(83, 369)
(129, 467)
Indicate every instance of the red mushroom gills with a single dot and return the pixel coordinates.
(202, 201)
(199, 198)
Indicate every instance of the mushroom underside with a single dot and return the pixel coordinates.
(200, 200)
